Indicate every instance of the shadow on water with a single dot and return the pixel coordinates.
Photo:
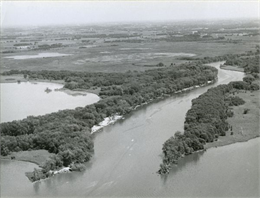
(53, 183)
(36, 187)
(188, 160)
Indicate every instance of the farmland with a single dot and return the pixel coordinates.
(123, 47)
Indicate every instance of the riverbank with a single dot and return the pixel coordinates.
(244, 122)
(231, 68)
(38, 157)
(16, 78)
(112, 119)
(107, 121)
(78, 92)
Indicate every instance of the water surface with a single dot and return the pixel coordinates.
(40, 55)
(21, 100)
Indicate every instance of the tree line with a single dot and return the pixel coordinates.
(249, 63)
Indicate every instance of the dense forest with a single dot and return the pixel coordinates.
(206, 120)
(67, 133)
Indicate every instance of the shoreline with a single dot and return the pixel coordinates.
(38, 157)
(21, 79)
(114, 118)
(20, 160)
(78, 92)
(107, 121)
(18, 77)
(231, 68)
(226, 142)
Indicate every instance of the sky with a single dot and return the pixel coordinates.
(41, 13)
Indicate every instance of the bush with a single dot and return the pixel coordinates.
(236, 101)
(230, 113)
(239, 85)
(248, 79)
(246, 111)
(254, 87)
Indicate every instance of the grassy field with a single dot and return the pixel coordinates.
(38, 157)
(121, 56)
(245, 126)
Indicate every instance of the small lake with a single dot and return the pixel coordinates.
(21, 100)
(40, 55)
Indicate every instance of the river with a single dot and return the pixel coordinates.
(128, 154)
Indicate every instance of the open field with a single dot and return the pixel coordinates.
(123, 47)
(245, 126)
(122, 56)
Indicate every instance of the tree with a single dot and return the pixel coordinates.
(249, 79)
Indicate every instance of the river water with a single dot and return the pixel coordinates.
(128, 154)
(40, 55)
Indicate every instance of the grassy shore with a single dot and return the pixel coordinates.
(18, 77)
(12, 79)
(245, 126)
(38, 157)
(232, 68)
(79, 91)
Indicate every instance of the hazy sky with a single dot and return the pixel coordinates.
(51, 13)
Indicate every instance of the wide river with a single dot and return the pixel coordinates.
(128, 154)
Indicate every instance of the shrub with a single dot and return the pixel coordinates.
(245, 111)
(236, 101)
